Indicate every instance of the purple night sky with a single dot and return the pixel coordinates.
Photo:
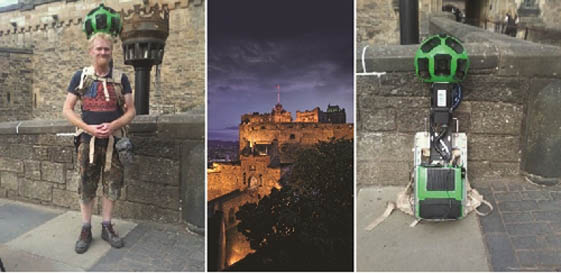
(305, 46)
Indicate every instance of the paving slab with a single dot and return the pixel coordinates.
(429, 246)
(156, 247)
(61, 233)
(17, 219)
(15, 260)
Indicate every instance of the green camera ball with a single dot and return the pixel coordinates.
(441, 58)
(102, 19)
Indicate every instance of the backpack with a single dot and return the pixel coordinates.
(88, 77)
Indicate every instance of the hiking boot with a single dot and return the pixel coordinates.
(109, 235)
(84, 241)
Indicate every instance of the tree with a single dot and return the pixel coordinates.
(308, 223)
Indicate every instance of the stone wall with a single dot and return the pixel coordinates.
(53, 31)
(16, 100)
(223, 178)
(550, 11)
(504, 74)
(252, 174)
(234, 245)
(293, 133)
(39, 166)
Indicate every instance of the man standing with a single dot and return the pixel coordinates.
(511, 22)
(107, 106)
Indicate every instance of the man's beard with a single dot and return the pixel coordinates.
(102, 61)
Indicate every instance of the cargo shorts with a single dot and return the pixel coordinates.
(91, 173)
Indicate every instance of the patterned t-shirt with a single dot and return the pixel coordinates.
(95, 109)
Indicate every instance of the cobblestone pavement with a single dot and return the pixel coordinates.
(524, 231)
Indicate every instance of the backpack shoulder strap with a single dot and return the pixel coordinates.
(86, 79)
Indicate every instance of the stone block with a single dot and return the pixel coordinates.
(548, 216)
(383, 173)
(556, 195)
(496, 118)
(35, 189)
(193, 169)
(161, 170)
(487, 88)
(372, 120)
(53, 172)
(156, 147)
(517, 217)
(152, 193)
(66, 199)
(403, 84)
(527, 258)
(131, 210)
(411, 120)
(41, 153)
(9, 180)
(8, 164)
(385, 146)
(518, 206)
(528, 242)
(528, 229)
(28, 139)
(493, 148)
(72, 180)
(549, 257)
(486, 169)
(535, 195)
(189, 130)
(508, 196)
(45, 127)
(60, 154)
(53, 140)
(464, 119)
(4, 150)
(32, 169)
(549, 204)
(22, 152)
(371, 102)
(500, 250)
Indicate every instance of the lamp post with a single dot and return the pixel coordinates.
(144, 35)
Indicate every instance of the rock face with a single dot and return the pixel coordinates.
(41, 54)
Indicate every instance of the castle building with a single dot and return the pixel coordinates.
(268, 145)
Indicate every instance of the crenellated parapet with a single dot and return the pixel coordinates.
(35, 16)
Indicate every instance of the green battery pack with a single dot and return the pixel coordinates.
(440, 193)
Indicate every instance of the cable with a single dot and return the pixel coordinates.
(458, 96)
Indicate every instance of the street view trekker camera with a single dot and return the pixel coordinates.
(440, 155)
(102, 19)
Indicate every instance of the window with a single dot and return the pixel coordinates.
(292, 136)
(529, 3)
(231, 216)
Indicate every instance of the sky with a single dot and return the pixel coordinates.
(4, 3)
(304, 46)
